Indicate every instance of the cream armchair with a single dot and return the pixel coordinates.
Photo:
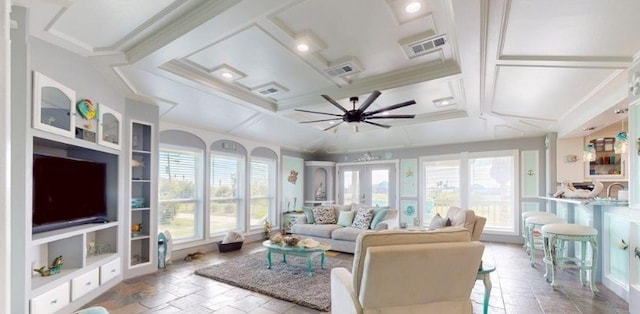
(467, 219)
(408, 272)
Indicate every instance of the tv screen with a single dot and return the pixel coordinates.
(67, 192)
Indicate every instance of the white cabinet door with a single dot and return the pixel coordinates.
(54, 107)
(634, 268)
(110, 127)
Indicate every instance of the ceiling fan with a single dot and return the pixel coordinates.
(360, 114)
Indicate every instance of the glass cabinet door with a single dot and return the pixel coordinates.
(110, 127)
(53, 106)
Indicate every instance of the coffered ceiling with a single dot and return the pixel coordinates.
(507, 69)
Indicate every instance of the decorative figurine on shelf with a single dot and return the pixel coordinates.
(320, 196)
(54, 269)
(267, 229)
(136, 229)
(567, 189)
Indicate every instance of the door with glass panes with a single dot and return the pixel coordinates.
(368, 184)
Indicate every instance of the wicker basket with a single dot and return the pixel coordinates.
(228, 247)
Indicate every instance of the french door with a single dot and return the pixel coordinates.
(373, 184)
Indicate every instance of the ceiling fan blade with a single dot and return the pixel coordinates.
(377, 124)
(318, 112)
(321, 120)
(333, 102)
(392, 107)
(333, 126)
(394, 116)
(374, 95)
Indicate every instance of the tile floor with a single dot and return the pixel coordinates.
(517, 288)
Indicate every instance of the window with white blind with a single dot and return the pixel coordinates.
(483, 182)
(262, 191)
(180, 193)
(226, 210)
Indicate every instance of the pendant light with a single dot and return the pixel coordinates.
(589, 153)
(621, 142)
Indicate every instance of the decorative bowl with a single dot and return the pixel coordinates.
(291, 241)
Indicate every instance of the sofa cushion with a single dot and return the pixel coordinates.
(345, 218)
(379, 214)
(308, 213)
(347, 233)
(363, 218)
(324, 215)
(321, 231)
(438, 222)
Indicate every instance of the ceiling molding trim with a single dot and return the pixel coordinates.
(231, 92)
(187, 22)
(142, 27)
(247, 123)
(598, 62)
(282, 34)
(426, 72)
(484, 30)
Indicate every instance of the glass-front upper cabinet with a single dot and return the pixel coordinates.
(53, 106)
(607, 163)
(110, 127)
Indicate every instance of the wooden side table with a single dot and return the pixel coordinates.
(484, 274)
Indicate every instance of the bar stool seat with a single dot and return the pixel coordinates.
(532, 224)
(525, 234)
(554, 234)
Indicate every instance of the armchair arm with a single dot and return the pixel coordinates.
(343, 298)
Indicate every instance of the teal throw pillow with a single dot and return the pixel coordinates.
(379, 215)
(346, 218)
(308, 213)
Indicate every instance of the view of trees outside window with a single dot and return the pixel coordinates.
(380, 187)
(442, 184)
(262, 191)
(226, 199)
(180, 206)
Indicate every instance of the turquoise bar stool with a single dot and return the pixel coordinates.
(525, 234)
(533, 224)
(554, 234)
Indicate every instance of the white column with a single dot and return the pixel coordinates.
(5, 175)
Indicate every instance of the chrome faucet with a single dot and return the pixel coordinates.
(620, 185)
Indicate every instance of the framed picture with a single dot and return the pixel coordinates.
(409, 177)
(408, 213)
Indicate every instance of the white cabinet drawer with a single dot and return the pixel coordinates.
(52, 300)
(83, 284)
(109, 270)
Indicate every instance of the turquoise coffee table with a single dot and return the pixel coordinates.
(296, 250)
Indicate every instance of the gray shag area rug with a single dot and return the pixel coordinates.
(288, 282)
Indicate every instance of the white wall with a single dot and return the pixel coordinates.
(5, 219)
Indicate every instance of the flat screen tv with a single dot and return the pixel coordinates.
(67, 192)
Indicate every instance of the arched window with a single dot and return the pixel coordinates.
(180, 185)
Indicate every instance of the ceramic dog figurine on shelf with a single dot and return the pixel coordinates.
(567, 189)
(54, 269)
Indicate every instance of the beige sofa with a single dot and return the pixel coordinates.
(405, 272)
(341, 238)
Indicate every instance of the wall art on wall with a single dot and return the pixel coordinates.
(408, 212)
(409, 177)
(292, 183)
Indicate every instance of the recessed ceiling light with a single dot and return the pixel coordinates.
(413, 7)
(386, 113)
(303, 47)
(332, 122)
(227, 75)
(444, 102)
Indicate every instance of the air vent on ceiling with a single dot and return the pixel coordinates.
(414, 48)
(347, 66)
(270, 89)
